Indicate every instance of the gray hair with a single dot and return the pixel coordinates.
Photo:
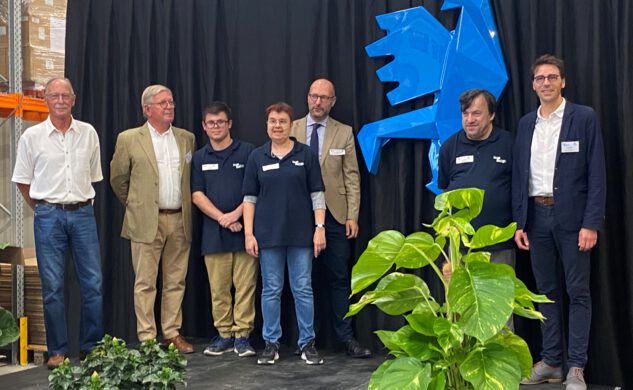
(152, 91)
(64, 79)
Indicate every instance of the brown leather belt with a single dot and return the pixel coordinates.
(544, 200)
(170, 211)
(66, 206)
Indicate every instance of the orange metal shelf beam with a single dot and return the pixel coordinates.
(30, 109)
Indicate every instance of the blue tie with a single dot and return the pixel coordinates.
(314, 139)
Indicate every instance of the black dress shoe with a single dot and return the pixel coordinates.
(355, 350)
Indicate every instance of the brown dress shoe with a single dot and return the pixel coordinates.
(54, 361)
(180, 343)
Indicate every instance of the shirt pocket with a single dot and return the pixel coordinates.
(82, 160)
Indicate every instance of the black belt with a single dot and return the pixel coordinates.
(66, 206)
(544, 200)
(170, 211)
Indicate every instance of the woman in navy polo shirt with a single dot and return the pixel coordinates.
(284, 213)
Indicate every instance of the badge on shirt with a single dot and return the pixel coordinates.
(188, 157)
(297, 163)
(210, 167)
(337, 152)
(499, 160)
(465, 159)
(270, 167)
(570, 147)
(238, 166)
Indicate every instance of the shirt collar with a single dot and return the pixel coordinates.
(559, 112)
(50, 128)
(310, 121)
(154, 132)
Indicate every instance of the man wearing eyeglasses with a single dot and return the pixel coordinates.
(57, 162)
(216, 185)
(333, 143)
(150, 174)
(558, 200)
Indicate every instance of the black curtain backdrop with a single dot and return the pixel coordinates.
(253, 53)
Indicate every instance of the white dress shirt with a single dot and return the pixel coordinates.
(168, 160)
(60, 168)
(544, 148)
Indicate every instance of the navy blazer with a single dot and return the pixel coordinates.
(579, 178)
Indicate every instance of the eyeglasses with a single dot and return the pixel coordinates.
(314, 97)
(218, 123)
(549, 77)
(165, 103)
(56, 96)
(275, 122)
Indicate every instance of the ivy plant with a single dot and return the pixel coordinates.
(9, 331)
(111, 365)
(460, 342)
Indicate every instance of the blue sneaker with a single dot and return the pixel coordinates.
(219, 345)
(243, 347)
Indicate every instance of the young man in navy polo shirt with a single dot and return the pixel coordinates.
(216, 185)
(481, 156)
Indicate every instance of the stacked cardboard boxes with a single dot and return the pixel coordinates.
(33, 308)
(43, 41)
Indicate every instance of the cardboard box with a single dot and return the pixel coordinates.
(41, 65)
(15, 255)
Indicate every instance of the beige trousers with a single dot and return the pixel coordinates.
(170, 242)
(226, 270)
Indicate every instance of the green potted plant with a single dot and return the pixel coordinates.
(111, 365)
(462, 343)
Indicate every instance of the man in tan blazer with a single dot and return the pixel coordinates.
(150, 173)
(333, 143)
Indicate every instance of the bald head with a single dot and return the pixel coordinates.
(321, 99)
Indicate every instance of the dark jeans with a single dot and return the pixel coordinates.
(335, 262)
(56, 230)
(549, 244)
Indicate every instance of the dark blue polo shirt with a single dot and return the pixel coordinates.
(283, 213)
(483, 164)
(219, 174)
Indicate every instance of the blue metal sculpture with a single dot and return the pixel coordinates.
(430, 59)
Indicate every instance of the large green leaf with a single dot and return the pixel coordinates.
(449, 334)
(483, 293)
(520, 348)
(366, 299)
(476, 256)
(389, 338)
(422, 322)
(491, 367)
(403, 292)
(9, 331)
(470, 199)
(376, 377)
(419, 250)
(406, 373)
(489, 235)
(526, 297)
(415, 344)
(438, 382)
(376, 260)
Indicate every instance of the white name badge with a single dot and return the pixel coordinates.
(499, 159)
(570, 147)
(337, 152)
(238, 166)
(465, 159)
(270, 167)
(297, 163)
(210, 167)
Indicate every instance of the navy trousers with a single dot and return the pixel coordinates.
(549, 245)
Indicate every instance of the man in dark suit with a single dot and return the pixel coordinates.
(558, 201)
(333, 143)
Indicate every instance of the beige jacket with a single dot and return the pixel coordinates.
(134, 179)
(339, 168)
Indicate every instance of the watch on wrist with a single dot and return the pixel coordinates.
(320, 225)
